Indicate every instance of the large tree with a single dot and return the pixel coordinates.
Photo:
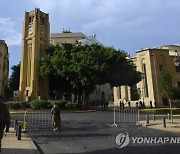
(166, 84)
(83, 67)
(15, 77)
(13, 83)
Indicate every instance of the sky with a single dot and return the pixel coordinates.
(123, 24)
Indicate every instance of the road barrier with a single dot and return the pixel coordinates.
(37, 118)
(126, 115)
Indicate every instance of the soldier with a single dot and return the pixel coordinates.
(56, 119)
(4, 119)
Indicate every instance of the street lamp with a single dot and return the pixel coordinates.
(177, 58)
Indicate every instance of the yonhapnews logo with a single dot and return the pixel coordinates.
(122, 140)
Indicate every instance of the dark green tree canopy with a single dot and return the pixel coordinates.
(83, 67)
(166, 84)
(14, 78)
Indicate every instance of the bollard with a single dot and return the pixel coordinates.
(147, 119)
(15, 123)
(164, 122)
(154, 117)
(114, 124)
(19, 133)
(16, 130)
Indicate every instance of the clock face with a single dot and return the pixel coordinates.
(30, 30)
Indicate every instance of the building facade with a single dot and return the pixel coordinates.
(66, 37)
(4, 67)
(150, 62)
(35, 39)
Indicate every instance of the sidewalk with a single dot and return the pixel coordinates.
(173, 127)
(10, 144)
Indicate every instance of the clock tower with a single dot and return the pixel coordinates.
(35, 39)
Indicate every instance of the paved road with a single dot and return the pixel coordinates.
(92, 133)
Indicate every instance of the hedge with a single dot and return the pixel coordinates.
(71, 105)
(40, 104)
(61, 104)
(14, 105)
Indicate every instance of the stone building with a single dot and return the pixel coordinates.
(150, 62)
(35, 39)
(4, 67)
(66, 36)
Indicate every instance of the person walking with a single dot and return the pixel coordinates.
(56, 119)
(4, 119)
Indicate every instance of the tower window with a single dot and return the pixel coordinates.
(31, 19)
(42, 20)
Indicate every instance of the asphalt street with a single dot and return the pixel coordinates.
(92, 132)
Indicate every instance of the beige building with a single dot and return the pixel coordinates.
(102, 93)
(65, 37)
(35, 39)
(150, 62)
(73, 38)
(4, 67)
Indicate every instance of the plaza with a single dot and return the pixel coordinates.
(92, 132)
(89, 131)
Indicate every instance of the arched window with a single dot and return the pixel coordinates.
(145, 84)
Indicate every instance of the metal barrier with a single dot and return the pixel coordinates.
(37, 118)
(126, 115)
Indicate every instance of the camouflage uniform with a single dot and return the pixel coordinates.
(56, 120)
(4, 119)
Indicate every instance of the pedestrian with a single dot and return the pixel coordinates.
(120, 105)
(129, 103)
(140, 103)
(56, 119)
(155, 103)
(143, 104)
(137, 104)
(123, 105)
(150, 102)
(4, 119)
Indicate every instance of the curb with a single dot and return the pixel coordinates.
(73, 111)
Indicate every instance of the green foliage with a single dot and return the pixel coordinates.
(14, 105)
(40, 104)
(25, 104)
(81, 68)
(13, 83)
(61, 104)
(166, 84)
(176, 93)
(14, 78)
(71, 105)
(135, 95)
